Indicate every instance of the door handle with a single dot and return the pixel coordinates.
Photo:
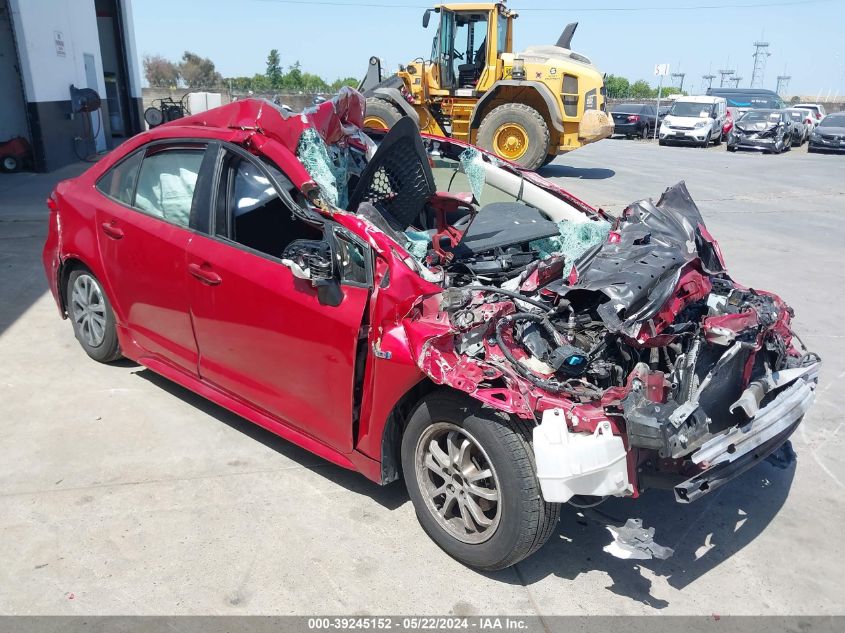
(112, 231)
(205, 275)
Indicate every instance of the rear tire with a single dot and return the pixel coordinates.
(10, 163)
(731, 148)
(516, 132)
(380, 114)
(91, 316)
(718, 140)
(518, 522)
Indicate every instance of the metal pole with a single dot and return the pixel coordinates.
(657, 112)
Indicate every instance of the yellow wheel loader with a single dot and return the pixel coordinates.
(526, 107)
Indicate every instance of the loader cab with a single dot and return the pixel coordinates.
(467, 46)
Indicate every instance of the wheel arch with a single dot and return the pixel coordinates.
(534, 94)
(394, 428)
(394, 98)
(67, 266)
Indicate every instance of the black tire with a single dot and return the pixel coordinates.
(718, 140)
(661, 142)
(108, 349)
(731, 148)
(645, 133)
(548, 159)
(10, 163)
(539, 138)
(525, 520)
(706, 142)
(381, 109)
(811, 149)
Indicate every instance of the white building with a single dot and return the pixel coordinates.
(48, 45)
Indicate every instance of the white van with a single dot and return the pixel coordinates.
(697, 120)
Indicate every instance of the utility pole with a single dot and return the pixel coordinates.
(725, 73)
(707, 82)
(681, 77)
(735, 80)
(783, 83)
(761, 54)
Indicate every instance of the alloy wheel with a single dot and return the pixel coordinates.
(458, 482)
(88, 310)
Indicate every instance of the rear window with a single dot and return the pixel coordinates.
(628, 108)
(833, 121)
(119, 182)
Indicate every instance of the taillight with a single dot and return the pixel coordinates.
(633, 118)
(51, 203)
(818, 115)
(809, 121)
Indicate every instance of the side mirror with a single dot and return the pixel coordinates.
(312, 260)
(426, 18)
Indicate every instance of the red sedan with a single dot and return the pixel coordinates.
(410, 306)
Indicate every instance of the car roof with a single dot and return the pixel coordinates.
(700, 99)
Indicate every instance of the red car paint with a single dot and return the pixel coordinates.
(244, 332)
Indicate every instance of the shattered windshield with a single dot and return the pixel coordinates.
(759, 117)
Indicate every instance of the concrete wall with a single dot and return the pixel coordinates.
(53, 39)
(48, 69)
(13, 121)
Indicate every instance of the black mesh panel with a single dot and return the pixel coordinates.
(398, 180)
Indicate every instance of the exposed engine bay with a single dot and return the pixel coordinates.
(642, 361)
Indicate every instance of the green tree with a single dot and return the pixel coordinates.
(617, 87)
(293, 78)
(198, 72)
(274, 69)
(313, 83)
(160, 72)
(260, 83)
(641, 90)
(339, 83)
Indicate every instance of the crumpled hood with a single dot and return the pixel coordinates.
(640, 267)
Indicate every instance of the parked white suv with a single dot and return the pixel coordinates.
(698, 120)
(816, 108)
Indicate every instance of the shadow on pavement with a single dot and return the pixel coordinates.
(580, 173)
(391, 496)
(703, 534)
(23, 227)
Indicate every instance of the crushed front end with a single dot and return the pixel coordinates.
(642, 362)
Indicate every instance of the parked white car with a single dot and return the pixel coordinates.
(816, 108)
(697, 120)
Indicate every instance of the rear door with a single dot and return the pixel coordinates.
(262, 332)
(144, 225)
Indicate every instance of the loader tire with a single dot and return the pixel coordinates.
(380, 114)
(516, 132)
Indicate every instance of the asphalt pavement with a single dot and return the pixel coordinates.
(122, 493)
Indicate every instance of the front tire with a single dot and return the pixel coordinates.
(92, 317)
(471, 476)
(516, 132)
(380, 114)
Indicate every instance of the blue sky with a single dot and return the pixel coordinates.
(807, 37)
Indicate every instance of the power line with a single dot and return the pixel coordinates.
(732, 5)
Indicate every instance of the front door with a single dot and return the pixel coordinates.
(263, 334)
(143, 219)
(446, 50)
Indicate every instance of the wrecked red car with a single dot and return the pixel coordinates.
(412, 307)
